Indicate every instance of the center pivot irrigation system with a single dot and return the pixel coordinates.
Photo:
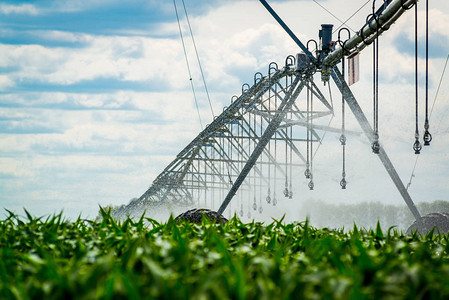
(250, 151)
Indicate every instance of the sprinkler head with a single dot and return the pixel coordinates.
(343, 183)
(427, 138)
(307, 173)
(311, 185)
(417, 146)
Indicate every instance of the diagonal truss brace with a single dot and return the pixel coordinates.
(290, 98)
(381, 21)
(366, 127)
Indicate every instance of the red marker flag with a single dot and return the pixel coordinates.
(353, 72)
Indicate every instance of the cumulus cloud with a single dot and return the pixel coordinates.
(6, 82)
(122, 58)
(106, 144)
(22, 9)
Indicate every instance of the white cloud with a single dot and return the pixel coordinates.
(108, 147)
(6, 82)
(123, 58)
(22, 9)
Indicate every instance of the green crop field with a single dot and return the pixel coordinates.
(53, 258)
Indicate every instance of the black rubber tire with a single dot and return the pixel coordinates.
(196, 216)
(439, 221)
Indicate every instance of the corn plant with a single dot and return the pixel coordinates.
(53, 258)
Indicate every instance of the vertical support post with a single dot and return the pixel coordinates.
(366, 127)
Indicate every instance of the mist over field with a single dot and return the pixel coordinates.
(319, 213)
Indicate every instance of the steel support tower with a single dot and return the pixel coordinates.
(247, 153)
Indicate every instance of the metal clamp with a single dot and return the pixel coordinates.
(258, 78)
(290, 59)
(343, 44)
(273, 66)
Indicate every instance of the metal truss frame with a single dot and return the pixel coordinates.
(244, 137)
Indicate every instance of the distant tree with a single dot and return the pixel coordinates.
(435, 206)
(366, 214)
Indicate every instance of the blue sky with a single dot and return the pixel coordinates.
(95, 98)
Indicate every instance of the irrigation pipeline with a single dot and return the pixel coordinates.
(370, 31)
(177, 182)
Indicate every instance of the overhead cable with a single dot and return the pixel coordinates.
(342, 23)
(188, 66)
(198, 58)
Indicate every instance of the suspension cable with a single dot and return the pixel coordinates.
(239, 157)
(212, 175)
(343, 136)
(439, 85)
(374, 97)
(230, 154)
(290, 194)
(375, 145)
(261, 164)
(251, 122)
(321, 139)
(188, 66)
(416, 145)
(286, 152)
(268, 199)
(427, 135)
(307, 171)
(205, 179)
(198, 58)
(254, 147)
(198, 181)
(430, 115)
(222, 164)
(275, 201)
(344, 23)
(311, 184)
